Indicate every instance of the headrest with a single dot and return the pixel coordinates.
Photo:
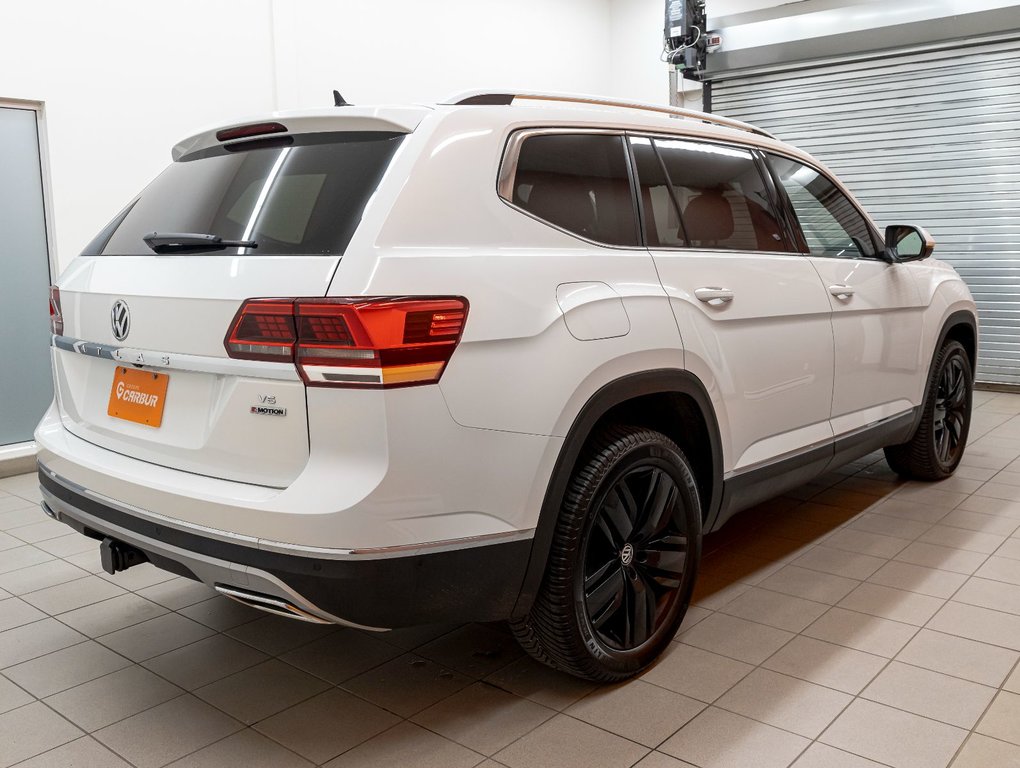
(563, 201)
(709, 218)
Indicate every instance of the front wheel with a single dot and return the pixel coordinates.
(935, 450)
(623, 560)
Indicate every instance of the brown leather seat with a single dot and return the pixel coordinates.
(709, 219)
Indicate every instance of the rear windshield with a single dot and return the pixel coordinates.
(293, 194)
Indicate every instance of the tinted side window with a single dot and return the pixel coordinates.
(578, 182)
(722, 196)
(832, 226)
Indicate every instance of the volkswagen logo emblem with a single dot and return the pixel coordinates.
(120, 319)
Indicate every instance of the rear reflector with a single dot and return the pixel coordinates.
(56, 316)
(352, 342)
(248, 131)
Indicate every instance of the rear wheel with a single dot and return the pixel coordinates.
(623, 559)
(937, 446)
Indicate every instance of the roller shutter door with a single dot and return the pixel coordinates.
(931, 138)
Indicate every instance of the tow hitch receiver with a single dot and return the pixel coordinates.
(118, 556)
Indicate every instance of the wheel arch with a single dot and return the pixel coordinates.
(668, 400)
(961, 326)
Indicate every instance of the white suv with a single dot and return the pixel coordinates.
(507, 357)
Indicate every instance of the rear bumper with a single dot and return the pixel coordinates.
(464, 580)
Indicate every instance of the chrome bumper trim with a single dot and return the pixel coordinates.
(362, 553)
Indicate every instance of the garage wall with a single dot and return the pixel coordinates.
(122, 81)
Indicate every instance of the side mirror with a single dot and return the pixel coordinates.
(905, 242)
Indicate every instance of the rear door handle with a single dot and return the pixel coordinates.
(843, 292)
(714, 296)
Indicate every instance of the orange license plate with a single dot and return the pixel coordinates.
(138, 396)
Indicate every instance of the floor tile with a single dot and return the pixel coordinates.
(138, 576)
(960, 657)
(784, 702)
(41, 530)
(244, 749)
(651, 760)
(850, 565)
(893, 506)
(695, 672)
(275, 635)
(943, 558)
(810, 585)
(30, 730)
(69, 544)
(410, 638)
(930, 694)
(325, 725)
(820, 755)
(155, 636)
(896, 738)
(539, 683)
(204, 662)
(484, 718)
(41, 576)
(961, 538)
(979, 521)
(637, 711)
(261, 691)
(14, 612)
(407, 684)
(178, 593)
(775, 609)
(976, 623)
(11, 696)
(164, 733)
(983, 752)
(997, 595)
(923, 493)
(110, 615)
(113, 697)
(996, 490)
(409, 746)
(720, 739)
(917, 578)
(564, 742)
(889, 525)
(991, 506)
(72, 594)
(742, 640)
(1002, 721)
(864, 543)
(341, 655)
(221, 613)
(85, 752)
(862, 632)
(894, 604)
(1000, 569)
(22, 557)
(30, 641)
(833, 666)
(65, 669)
(474, 650)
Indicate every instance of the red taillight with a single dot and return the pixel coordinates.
(248, 131)
(352, 342)
(56, 317)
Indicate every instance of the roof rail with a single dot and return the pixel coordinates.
(503, 98)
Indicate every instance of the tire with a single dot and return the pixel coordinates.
(935, 450)
(629, 525)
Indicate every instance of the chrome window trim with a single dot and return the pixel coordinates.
(172, 361)
(326, 553)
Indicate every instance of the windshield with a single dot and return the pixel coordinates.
(291, 194)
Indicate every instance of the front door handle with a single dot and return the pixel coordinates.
(843, 292)
(714, 296)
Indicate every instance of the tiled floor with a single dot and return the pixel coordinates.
(859, 621)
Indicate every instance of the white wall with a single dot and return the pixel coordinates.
(123, 80)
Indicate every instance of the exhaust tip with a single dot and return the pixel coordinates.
(268, 603)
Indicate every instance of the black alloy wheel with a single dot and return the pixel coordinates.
(635, 557)
(952, 410)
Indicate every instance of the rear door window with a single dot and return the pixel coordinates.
(578, 182)
(830, 223)
(723, 200)
(301, 194)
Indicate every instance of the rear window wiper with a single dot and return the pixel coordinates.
(188, 242)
